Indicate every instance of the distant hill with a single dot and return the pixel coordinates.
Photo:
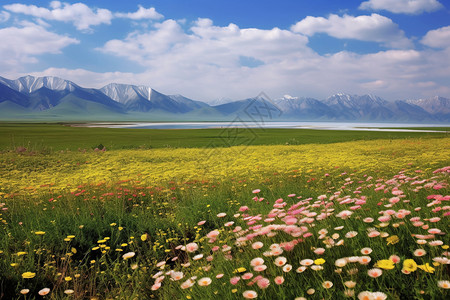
(53, 98)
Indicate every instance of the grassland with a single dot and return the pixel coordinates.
(312, 214)
(60, 137)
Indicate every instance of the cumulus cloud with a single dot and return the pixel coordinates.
(438, 38)
(27, 42)
(204, 62)
(375, 28)
(402, 6)
(82, 16)
(141, 13)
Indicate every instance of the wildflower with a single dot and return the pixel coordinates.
(28, 275)
(247, 276)
(263, 283)
(393, 240)
(24, 291)
(205, 281)
(327, 284)
(128, 255)
(351, 234)
(375, 272)
(301, 269)
(259, 268)
(279, 280)
(69, 292)
(319, 251)
(310, 291)
(340, 262)
(349, 293)
(379, 296)
(409, 265)
(240, 270)
(176, 275)
(67, 278)
(280, 261)
(44, 291)
(306, 262)
(197, 257)
(366, 251)
(426, 267)
(235, 280)
(187, 284)
(319, 261)
(221, 215)
(250, 294)
(420, 252)
(39, 232)
(365, 296)
(445, 284)
(287, 268)
(257, 245)
(144, 237)
(257, 261)
(364, 260)
(386, 264)
(191, 247)
(350, 284)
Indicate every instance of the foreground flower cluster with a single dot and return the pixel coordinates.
(278, 223)
(341, 243)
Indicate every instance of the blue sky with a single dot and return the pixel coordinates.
(207, 49)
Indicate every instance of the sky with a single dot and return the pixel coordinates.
(234, 49)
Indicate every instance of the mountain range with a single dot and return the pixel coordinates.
(53, 98)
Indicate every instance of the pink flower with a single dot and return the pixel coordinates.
(279, 280)
(243, 208)
(235, 280)
(247, 276)
(191, 247)
(256, 191)
(375, 272)
(250, 294)
(263, 283)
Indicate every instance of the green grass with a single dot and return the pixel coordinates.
(40, 136)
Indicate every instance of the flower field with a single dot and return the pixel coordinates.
(353, 220)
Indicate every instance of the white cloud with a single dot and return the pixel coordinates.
(202, 62)
(4, 16)
(402, 6)
(27, 42)
(79, 14)
(375, 28)
(141, 13)
(438, 38)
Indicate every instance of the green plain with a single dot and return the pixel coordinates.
(53, 136)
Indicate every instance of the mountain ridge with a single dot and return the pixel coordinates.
(49, 97)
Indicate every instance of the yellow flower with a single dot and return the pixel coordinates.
(28, 275)
(240, 270)
(39, 232)
(21, 253)
(386, 264)
(67, 278)
(144, 237)
(392, 240)
(409, 265)
(70, 236)
(319, 261)
(427, 268)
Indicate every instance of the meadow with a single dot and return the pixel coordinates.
(282, 214)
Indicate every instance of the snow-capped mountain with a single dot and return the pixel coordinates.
(144, 99)
(55, 98)
(28, 84)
